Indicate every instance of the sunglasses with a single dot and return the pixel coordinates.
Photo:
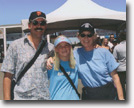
(42, 23)
(89, 35)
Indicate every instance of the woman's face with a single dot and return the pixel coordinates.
(63, 49)
(86, 41)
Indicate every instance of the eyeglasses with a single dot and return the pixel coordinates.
(42, 23)
(88, 35)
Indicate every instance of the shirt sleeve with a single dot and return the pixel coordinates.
(51, 51)
(49, 72)
(9, 62)
(115, 52)
(110, 62)
(76, 77)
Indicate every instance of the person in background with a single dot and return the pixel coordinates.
(34, 84)
(105, 44)
(96, 68)
(114, 44)
(111, 40)
(120, 55)
(60, 87)
(98, 41)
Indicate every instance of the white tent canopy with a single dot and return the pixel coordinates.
(83, 9)
(75, 12)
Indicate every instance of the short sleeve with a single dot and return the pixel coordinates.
(9, 62)
(76, 76)
(50, 47)
(110, 62)
(115, 53)
(49, 72)
(51, 50)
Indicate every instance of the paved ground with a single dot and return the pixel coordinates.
(1, 85)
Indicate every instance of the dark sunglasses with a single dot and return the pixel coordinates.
(42, 23)
(89, 35)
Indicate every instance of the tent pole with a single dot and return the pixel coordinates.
(5, 44)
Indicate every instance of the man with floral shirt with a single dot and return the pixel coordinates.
(34, 84)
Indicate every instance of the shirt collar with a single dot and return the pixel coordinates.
(123, 41)
(27, 40)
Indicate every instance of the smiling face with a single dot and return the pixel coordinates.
(63, 49)
(37, 28)
(105, 42)
(87, 42)
(111, 38)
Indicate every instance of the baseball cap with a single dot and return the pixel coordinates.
(37, 14)
(61, 39)
(86, 27)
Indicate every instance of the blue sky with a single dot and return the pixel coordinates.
(13, 11)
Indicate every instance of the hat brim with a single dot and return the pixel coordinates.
(63, 42)
(38, 18)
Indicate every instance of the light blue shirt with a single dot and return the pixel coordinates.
(60, 87)
(34, 84)
(95, 66)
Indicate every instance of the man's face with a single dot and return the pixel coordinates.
(105, 41)
(111, 38)
(37, 27)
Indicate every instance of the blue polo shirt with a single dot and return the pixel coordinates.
(95, 66)
(60, 87)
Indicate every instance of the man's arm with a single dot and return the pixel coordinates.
(7, 86)
(49, 62)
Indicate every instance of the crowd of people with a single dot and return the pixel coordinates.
(102, 70)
